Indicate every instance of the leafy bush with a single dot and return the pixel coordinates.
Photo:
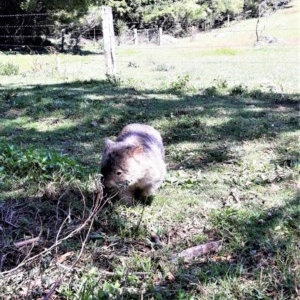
(219, 88)
(238, 90)
(36, 164)
(8, 69)
(113, 80)
(182, 84)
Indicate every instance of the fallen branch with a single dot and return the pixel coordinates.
(199, 250)
(27, 242)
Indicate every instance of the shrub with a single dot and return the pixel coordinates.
(182, 84)
(8, 69)
(36, 164)
(219, 88)
(238, 90)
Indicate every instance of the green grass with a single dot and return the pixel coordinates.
(232, 147)
(214, 144)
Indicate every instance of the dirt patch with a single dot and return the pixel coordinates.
(13, 112)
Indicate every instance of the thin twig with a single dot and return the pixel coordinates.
(84, 203)
(93, 214)
(56, 284)
(10, 224)
(58, 242)
(61, 226)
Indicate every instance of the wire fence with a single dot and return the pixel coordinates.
(160, 56)
(16, 34)
(35, 33)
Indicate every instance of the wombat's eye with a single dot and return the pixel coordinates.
(119, 172)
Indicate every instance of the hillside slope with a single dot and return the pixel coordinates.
(282, 27)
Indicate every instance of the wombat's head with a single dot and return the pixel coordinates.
(119, 166)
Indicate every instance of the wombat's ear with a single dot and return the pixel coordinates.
(134, 149)
(108, 144)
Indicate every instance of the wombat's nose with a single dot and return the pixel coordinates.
(107, 183)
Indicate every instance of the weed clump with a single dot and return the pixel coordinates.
(182, 84)
(219, 88)
(8, 69)
(36, 164)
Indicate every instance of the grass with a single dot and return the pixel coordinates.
(232, 149)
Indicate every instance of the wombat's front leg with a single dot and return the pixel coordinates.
(146, 195)
(150, 189)
(126, 197)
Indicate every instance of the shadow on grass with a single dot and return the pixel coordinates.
(73, 118)
(259, 256)
(32, 224)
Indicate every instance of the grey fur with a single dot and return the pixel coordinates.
(133, 165)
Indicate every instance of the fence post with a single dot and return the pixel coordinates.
(62, 40)
(160, 36)
(135, 36)
(108, 40)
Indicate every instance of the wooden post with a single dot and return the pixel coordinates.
(108, 40)
(62, 40)
(135, 36)
(160, 36)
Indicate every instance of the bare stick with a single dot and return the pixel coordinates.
(61, 227)
(26, 242)
(199, 250)
(56, 284)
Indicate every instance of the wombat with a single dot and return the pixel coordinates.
(133, 166)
